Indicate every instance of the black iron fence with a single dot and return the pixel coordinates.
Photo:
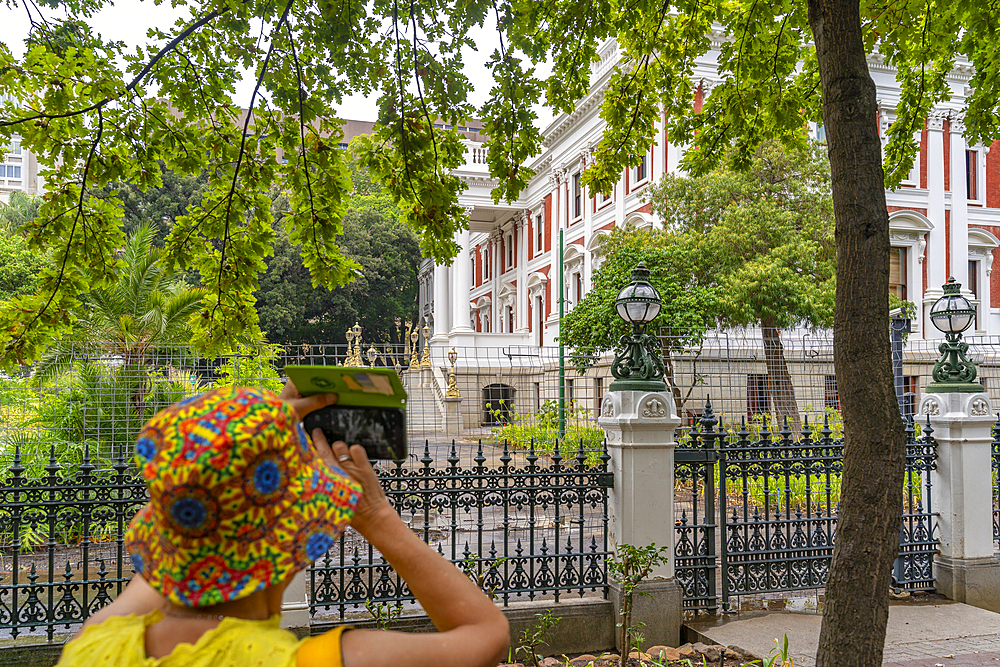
(756, 512)
(523, 526)
(996, 483)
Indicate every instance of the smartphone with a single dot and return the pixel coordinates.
(370, 409)
(381, 431)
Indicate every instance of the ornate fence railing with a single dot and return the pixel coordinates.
(522, 525)
(756, 513)
(996, 484)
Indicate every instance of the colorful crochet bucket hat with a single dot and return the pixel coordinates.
(238, 498)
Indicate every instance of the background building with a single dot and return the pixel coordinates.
(502, 288)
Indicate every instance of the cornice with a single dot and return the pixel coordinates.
(566, 121)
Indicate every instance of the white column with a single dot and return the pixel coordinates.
(460, 285)
(295, 603)
(966, 569)
(523, 239)
(495, 264)
(442, 319)
(936, 245)
(552, 328)
(959, 207)
(640, 429)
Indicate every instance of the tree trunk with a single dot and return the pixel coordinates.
(779, 381)
(853, 630)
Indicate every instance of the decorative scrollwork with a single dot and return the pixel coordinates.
(641, 360)
(953, 366)
(979, 407)
(654, 408)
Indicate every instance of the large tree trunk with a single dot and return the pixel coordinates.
(779, 380)
(853, 631)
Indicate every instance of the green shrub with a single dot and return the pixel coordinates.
(541, 430)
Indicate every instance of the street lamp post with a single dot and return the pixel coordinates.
(414, 359)
(452, 391)
(637, 366)
(953, 372)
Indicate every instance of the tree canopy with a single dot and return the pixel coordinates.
(92, 122)
(739, 248)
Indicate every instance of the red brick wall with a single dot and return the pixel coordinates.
(648, 208)
(993, 176)
(548, 291)
(477, 279)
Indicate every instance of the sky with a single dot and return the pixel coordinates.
(128, 21)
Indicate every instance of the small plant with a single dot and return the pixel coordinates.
(384, 613)
(469, 567)
(629, 567)
(779, 652)
(534, 636)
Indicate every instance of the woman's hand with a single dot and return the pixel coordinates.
(303, 406)
(373, 507)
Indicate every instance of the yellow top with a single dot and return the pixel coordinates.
(235, 642)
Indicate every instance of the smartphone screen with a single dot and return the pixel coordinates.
(381, 431)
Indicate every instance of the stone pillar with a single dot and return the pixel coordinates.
(453, 415)
(936, 239)
(640, 433)
(295, 605)
(966, 568)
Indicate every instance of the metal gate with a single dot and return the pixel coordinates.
(756, 512)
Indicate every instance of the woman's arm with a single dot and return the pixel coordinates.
(472, 631)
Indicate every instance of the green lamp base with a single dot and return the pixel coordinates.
(638, 385)
(955, 388)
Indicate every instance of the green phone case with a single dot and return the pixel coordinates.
(368, 387)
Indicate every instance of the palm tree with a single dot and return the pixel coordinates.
(137, 322)
(19, 210)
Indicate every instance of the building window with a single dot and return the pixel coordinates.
(641, 171)
(10, 171)
(539, 319)
(539, 233)
(569, 391)
(510, 320)
(973, 287)
(472, 261)
(972, 175)
(897, 272)
(510, 251)
(758, 401)
(486, 263)
(577, 287)
(15, 147)
(577, 196)
(831, 397)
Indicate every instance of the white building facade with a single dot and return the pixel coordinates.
(502, 288)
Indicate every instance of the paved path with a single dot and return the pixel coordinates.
(945, 633)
